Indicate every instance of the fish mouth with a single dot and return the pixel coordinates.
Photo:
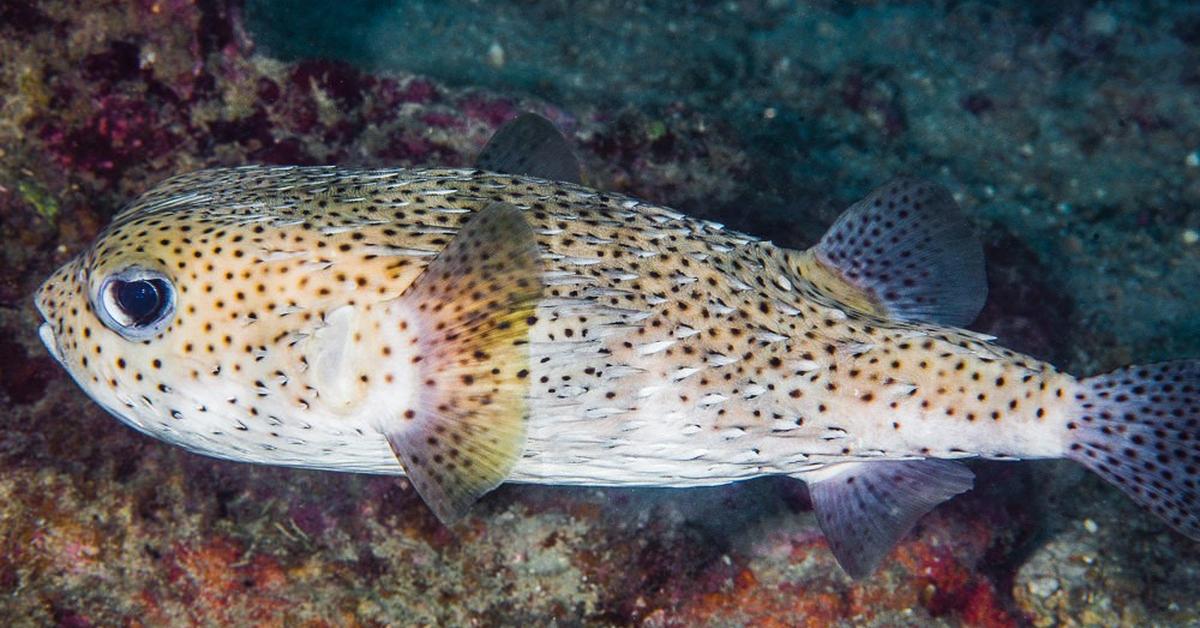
(48, 301)
(45, 331)
(47, 335)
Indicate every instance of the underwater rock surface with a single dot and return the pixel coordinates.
(1071, 135)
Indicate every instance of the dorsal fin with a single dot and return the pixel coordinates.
(865, 508)
(531, 145)
(459, 429)
(905, 251)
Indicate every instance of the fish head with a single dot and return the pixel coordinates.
(114, 315)
(191, 321)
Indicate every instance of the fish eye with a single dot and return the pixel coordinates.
(136, 302)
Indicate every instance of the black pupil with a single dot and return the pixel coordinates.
(143, 300)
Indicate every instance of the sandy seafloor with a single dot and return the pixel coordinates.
(1070, 133)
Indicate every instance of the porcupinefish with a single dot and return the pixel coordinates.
(467, 327)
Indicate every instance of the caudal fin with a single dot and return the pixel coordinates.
(1139, 428)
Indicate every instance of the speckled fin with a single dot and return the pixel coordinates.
(531, 145)
(864, 508)
(905, 251)
(468, 317)
(1138, 428)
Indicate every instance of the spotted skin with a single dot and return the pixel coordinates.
(466, 328)
(665, 350)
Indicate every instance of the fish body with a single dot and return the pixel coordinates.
(667, 351)
(466, 327)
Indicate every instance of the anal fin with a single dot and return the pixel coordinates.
(466, 319)
(865, 508)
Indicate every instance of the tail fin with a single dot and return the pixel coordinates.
(1139, 428)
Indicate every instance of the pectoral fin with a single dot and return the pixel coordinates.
(467, 320)
(864, 508)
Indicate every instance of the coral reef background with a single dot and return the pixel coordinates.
(1070, 132)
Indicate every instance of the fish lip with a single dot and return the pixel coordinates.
(46, 333)
(39, 296)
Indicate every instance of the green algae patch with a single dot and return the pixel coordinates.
(42, 201)
(656, 130)
(33, 88)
